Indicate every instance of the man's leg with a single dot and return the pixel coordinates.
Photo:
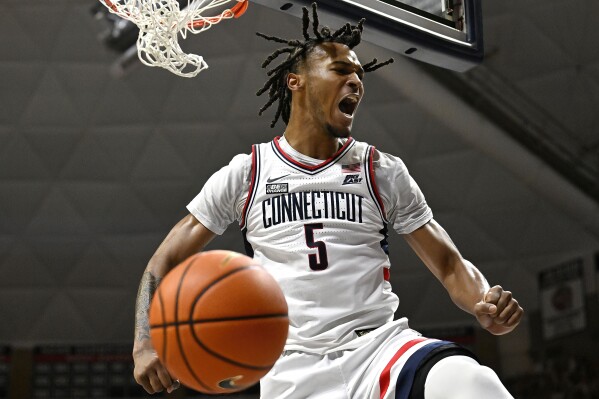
(461, 377)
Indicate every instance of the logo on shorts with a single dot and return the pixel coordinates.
(352, 179)
(278, 188)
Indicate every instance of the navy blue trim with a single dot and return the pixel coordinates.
(384, 243)
(433, 357)
(405, 379)
(249, 250)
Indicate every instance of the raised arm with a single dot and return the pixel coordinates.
(186, 238)
(494, 308)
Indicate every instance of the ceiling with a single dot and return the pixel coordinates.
(95, 170)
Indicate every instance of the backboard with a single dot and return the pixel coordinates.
(446, 33)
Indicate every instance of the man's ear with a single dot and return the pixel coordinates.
(295, 81)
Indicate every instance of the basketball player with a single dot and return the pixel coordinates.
(314, 206)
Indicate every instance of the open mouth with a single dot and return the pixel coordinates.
(349, 104)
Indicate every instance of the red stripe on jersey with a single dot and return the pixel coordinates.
(251, 188)
(311, 167)
(373, 181)
(385, 377)
(386, 273)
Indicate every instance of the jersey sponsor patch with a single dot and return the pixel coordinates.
(352, 179)
(278, 188)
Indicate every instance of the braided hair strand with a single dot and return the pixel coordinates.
(297, 51)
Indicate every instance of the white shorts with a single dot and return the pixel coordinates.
(382, 366)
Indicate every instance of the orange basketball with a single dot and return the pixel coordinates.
(218, 322)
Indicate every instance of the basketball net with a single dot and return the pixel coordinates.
(160, 22)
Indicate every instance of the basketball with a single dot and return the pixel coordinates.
(218, 322)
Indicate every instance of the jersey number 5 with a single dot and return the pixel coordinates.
(322, 248)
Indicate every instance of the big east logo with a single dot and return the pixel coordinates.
(351, 179)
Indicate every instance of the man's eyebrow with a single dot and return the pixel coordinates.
(349, 64)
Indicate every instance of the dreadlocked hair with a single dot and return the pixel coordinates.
(297, 51)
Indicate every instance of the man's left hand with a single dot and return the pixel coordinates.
(498, 312)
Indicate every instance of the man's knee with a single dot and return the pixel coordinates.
(460, 377)
(483, 379)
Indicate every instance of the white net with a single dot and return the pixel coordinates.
(161, 21)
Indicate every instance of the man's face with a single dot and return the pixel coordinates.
(333, 87)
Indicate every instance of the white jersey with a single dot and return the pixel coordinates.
(320, 230)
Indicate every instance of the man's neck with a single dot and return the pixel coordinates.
(311, 141)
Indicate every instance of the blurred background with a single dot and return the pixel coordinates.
(97, 164)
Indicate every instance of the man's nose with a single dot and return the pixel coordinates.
(355, 83)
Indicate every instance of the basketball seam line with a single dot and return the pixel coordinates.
(199, 341)
(201, 321)
(164, 338)
(180, 344)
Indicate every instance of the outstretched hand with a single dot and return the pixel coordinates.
(498, 312)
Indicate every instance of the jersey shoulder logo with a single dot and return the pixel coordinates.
(352, 179)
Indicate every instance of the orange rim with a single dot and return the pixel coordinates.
(236, 11)
(112, 6)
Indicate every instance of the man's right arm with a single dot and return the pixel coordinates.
(186, 238)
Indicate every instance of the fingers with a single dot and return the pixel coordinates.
(505, 299)
(496, 301)
(165, 379)
(150, 382)
(511, 315)
(494, 295)
(144, 381)
(152, 375)
(498, 308)
(176, 384)
(157, 381)
(492, 302)
(485, 308)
